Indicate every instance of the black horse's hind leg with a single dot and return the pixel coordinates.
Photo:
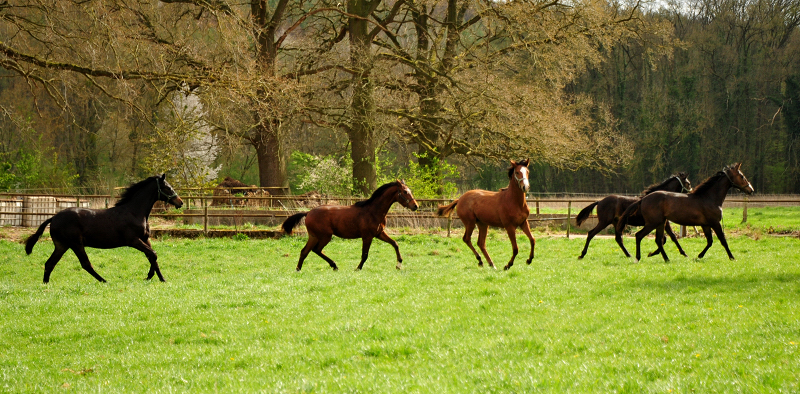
(660, 241)
(512, 235)
(84, 259)
(721, 235)
(709, 240)
(366, 242)
(618, 238)
(674, 238)
(317, 249)
(385, 238)
(53, 260)
(145, 247)
(639, 235)
(597, 229)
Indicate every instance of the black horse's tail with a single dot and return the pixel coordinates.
(623, 220)
(446, 210)
(35, 237)
(585, 212)
(292, 221)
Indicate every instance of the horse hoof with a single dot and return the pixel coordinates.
(398, 266)
(506, 268)
(529, 261)
(335, 268)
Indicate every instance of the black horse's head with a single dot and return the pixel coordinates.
(166, 193)
(684, 180)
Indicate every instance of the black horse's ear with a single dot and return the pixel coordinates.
(163, 176)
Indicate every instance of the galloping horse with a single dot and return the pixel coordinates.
(610, 208)
(702, 207)
(125, 224)
(365, 219)
(506, 208)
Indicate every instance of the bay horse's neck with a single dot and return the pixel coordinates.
(719, 190)
(384, 202)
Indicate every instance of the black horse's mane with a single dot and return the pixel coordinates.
(376, 194)
(708, 183)
(656, 186)
(132, 190)
(523, 163)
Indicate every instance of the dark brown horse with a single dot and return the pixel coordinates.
(505, 209)
(610, 208)
(365, 219)
(125, 224)
(702, 207)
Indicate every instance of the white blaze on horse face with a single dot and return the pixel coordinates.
(523, 183)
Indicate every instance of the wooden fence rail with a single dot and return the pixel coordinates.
(207, 209)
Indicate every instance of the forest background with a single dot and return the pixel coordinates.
(339, 96)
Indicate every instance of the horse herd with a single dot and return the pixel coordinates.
(674, 200)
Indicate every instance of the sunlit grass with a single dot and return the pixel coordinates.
(234, 316)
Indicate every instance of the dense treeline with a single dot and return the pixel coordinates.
(602, 96)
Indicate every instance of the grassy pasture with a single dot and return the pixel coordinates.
(235, 317)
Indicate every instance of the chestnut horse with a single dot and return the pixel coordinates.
(365, 219)
(125, 224)
(702, 207)
(610, 208)
(506, 209)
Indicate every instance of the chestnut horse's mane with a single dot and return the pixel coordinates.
(376, 194)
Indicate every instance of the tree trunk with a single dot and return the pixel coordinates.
(362, 131)
(270, 154)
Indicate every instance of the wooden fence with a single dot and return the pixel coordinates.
(237, 211)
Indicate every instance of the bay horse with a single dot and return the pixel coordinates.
(702, 207)
(364, 219)
(124, 224)
(610, 209)
(505, 209)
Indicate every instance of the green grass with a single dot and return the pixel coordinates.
(234, 316)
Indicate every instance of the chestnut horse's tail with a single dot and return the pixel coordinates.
(35, 237)
(292, 221)
(446, 210)
(585, 212)
(623, 220)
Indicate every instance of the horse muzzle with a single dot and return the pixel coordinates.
(176, 201)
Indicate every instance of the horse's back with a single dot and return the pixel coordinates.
(680, 208)
(96, 228)
(489, 208)
(341, 221)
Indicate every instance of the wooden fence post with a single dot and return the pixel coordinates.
(744, 211)
(569, 214)
(205, 217)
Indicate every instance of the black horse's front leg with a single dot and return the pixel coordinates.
(145, 247)
(366, 242)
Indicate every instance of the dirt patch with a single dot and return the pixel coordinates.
(15, 233)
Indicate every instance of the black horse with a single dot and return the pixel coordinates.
(701, 207)
(610, 209)
(125, 224)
